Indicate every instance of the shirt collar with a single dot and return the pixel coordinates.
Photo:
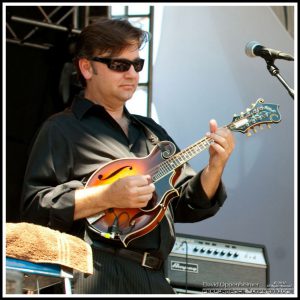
(81, 106)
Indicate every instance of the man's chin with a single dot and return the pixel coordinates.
(128, 96)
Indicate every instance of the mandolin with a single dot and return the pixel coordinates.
(163, 165)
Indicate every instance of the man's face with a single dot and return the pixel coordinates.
(109, 86)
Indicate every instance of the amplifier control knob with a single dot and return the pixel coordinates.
(195, 249)
(209, 251)
(222, 253)
(216, 252)
(229, 254)
(235, 254)
(202, 250)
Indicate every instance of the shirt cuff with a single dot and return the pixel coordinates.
(62, 212)
(200, 199)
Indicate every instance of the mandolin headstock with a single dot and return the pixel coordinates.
(259, 114)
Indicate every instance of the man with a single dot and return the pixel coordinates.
(96, 130)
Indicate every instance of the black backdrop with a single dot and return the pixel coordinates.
(32, 85)
(32, 79)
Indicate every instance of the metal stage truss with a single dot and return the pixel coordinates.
(35, 25)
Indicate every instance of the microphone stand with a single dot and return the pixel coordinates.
(274, 71)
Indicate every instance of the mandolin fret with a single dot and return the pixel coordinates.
(169, 165)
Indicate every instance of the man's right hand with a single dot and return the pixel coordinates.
(131, 192)
(128, 192)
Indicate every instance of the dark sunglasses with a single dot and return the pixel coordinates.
(121, 64)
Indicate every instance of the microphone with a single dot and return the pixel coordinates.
(255, 49)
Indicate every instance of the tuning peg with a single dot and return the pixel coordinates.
(248, 133)
(261, 127)
(269, 126)
(242, 113)
(248, 109)
(254, 129)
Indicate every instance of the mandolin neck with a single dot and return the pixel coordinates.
(180, 158)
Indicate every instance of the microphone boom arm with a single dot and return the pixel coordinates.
(274, 71)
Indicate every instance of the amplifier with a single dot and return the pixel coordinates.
(207, 263)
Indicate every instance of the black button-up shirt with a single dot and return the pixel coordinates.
(72, 144)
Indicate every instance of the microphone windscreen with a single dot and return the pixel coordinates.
(249, 49)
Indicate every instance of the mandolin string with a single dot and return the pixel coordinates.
(166, 167)
(170, 164)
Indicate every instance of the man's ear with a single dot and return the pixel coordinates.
(85, 68)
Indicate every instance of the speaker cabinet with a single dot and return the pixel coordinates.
(206, 263)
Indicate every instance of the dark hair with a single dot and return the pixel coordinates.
(107, 36)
